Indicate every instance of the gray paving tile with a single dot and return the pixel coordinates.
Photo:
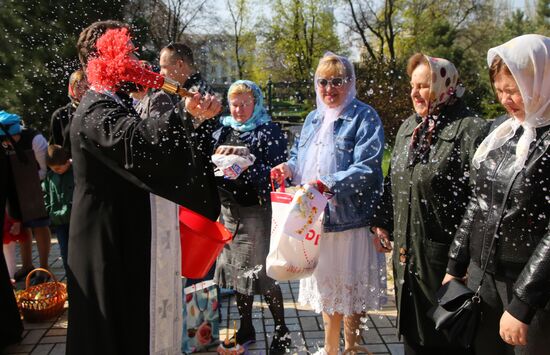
(56, 332)
(309, 323)
(19, 349)
(396, 349)
(371, 337)
(319, 334)
(380, 321)
(33, 336)
(386, 331)
(52, 340)
(305, 325)
(43, 349)
(377, 348)
(259, 345)
(390, 338)
(44, 325)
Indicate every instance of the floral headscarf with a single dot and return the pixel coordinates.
(259, 116)
(528, 59)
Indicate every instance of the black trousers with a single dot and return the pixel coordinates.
(495, 295)
(412, 348)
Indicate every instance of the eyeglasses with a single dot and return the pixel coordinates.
(334, 82)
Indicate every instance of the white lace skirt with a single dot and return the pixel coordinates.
(350, 277)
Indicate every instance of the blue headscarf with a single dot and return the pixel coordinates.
(10, 122)
(259, 116)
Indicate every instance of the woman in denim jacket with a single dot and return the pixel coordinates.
(340, 152)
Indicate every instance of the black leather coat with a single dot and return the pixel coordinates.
(515, 208)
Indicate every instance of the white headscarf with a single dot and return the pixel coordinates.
(528, 58)
(319, 160)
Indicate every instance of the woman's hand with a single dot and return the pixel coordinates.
(448, 277)
(381, 240)
(513, 331)
(280, 173)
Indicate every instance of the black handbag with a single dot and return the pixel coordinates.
(458, 312)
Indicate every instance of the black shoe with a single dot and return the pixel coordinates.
(39, 278)
(21, 274)
(281, 341)
(247, 337)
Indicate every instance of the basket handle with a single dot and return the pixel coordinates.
(28, 279)
(357, 348)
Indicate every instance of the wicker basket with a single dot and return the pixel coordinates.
(43, 301)
(357, 350)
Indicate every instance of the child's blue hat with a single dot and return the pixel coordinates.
(10, 123)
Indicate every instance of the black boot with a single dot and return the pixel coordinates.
(281, 341)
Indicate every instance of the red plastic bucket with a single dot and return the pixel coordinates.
(202, 240)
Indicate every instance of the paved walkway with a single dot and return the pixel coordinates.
(306, 326)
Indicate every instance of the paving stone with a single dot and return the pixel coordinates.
(377, 348)
(380, 321)
(315, 342)
(319, 334)
(386, 331)
(396, 349)
(56, 332)
(390, 338)
(306, 327)
(42, 349)
(292, 320)
(290, 312)
(33, 336)
(53, 340)
(44, 325)
(258, 345)
(309, 323)
(19, 349)
(297, 339)
(371, 337)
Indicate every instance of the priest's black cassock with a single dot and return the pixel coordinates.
(11, 327)
(118, 161)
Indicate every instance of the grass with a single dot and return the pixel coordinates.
(386, 161)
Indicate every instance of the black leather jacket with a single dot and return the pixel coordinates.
(514, 207)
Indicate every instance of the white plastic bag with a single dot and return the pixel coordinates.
(231, 161)
(290, 258)
(306, 207)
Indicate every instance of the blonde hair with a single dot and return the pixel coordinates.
(331, 65)
(239, 89)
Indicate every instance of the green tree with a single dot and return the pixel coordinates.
(243, 39)
(300, 32)
(38, 53)
(542, 17)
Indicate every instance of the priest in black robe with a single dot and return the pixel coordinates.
(11, 327)
(118, 160)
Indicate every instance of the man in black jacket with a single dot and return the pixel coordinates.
(60, 123)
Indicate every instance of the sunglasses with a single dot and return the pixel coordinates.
(334, 82)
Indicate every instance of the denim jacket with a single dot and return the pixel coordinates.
(357, 183)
